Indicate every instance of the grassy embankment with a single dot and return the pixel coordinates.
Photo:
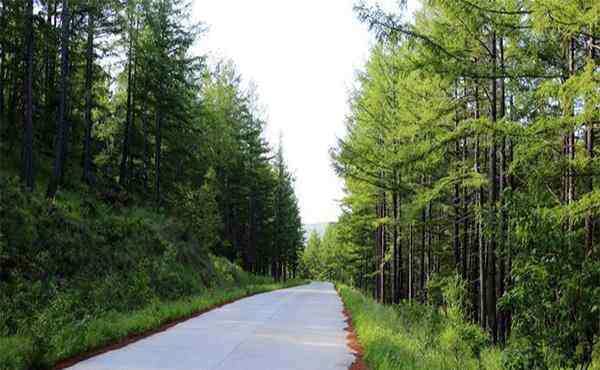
(415, 336)
(78, 273)
(20, 352)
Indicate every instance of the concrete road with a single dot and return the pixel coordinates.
(297, 328)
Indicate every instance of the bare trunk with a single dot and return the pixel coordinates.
(50, 66)
(493, 198)
(395, 285)
(2, 62)
(27, 160)
(383, 248)
(456, 197)
(145, 144)
(127, 132)
(430, 262)
(479, 225)
(456, 228)
(422, 270)
(503, 216)
(89, 85)
(157, 195)
(465, 213)
(60, 144)
(589, 146)
(410, 263)
(377, 250)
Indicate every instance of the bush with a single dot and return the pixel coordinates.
(415, 336)
(73, 270)
(18, 353)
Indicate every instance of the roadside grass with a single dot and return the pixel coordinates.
(417, 337)
(23, 352)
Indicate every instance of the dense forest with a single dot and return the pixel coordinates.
(106, 96)
(471, 161)
(131, 168)
(137, 186)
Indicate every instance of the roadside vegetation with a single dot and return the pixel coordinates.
(69, 335)
(412, 336)
(78, 274)
(415, 335)
(136, 184)
(471, 150)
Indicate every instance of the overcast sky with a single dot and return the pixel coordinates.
(303, 56)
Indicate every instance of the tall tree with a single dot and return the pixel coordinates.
(131, 27)
(62, 122)
(27, 153)
(89, 85)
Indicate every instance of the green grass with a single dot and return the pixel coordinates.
(22, 352)
(414, 336)
(77, 273)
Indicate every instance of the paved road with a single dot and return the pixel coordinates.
(297, 328)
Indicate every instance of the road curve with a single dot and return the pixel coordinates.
(299, 328)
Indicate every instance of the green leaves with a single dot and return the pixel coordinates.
(481, 117)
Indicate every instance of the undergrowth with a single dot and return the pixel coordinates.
(77, 273)
(79, 336)
(415, 336)
(412, 336)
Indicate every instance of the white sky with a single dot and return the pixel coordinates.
(303, 56)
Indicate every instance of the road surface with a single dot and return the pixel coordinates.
(297, 328)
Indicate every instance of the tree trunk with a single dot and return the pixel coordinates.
(157, 195)
(422, 269)
(569, 140)
(456, 227)
(430, 262)
(377, 250)
(89, 85)
(384, 298)
(27, 160)
(394, 288)
(60, 144)
(1, 86)
(50, 66)
(145, 133)
(410, 263)
(493, 197)
(12, 105)
(2, 62)
(589, 146)
(465, 211)
(456, 197)
(479, 226)
(128, 119)
(503, 215)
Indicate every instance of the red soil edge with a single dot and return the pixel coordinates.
(134, 337)
(354, 344)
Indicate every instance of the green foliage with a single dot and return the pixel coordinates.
(165, 131)
(415, 336)
(329, 258)
(472, 147)
(76, 274)
(69, 337)
(311, 264)
(18, 352)
(200, 211)
(175, 133)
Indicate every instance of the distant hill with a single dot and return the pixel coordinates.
(319, 228)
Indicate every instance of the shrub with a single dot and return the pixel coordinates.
(416, 336)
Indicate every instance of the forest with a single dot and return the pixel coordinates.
(137, 186)
(133, 173)
(471, 171)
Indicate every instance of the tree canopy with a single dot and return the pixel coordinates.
(470, 151)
